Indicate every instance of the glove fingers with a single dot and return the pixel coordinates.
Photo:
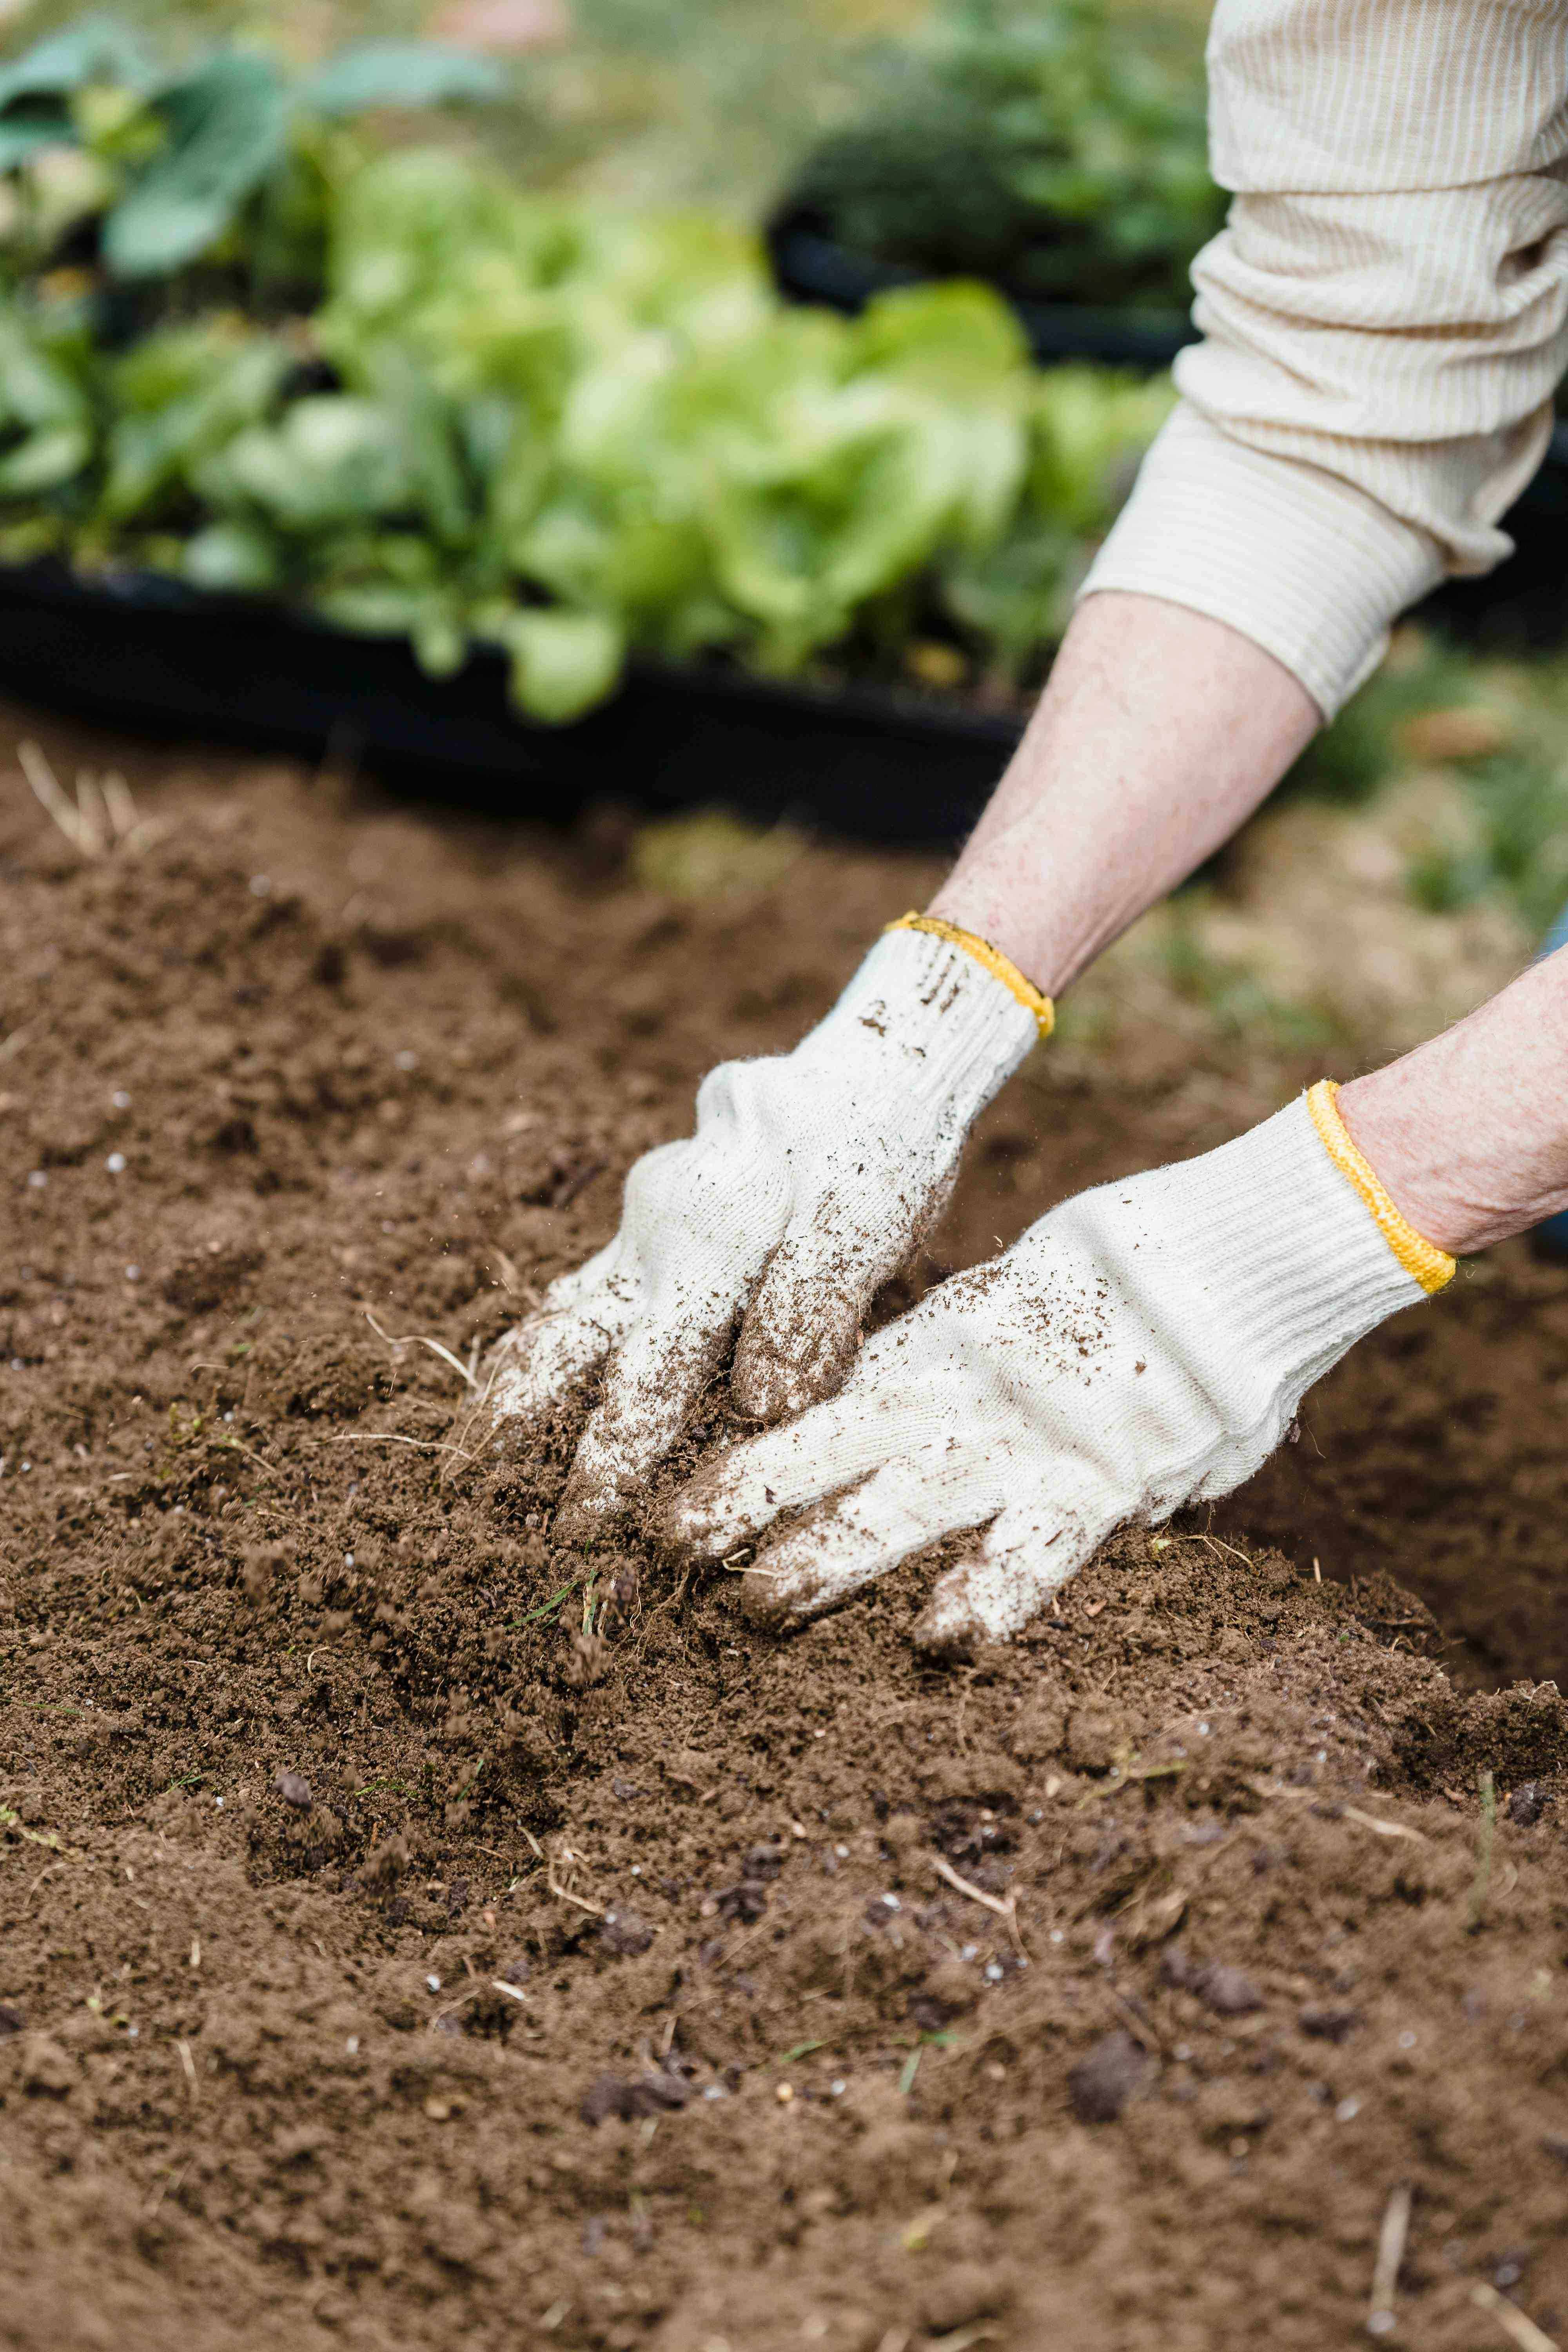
(539, 1364)
(733, 1499)
(1025, 1556)
(650, 1390)
(536, 1366)
(845, 1544)
(803, 1332)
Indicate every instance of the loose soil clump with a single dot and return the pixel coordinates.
(413, 1932)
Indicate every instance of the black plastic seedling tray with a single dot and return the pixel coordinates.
(1525, 601)
(140, 652)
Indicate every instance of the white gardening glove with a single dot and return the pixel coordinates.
(810, 1178)
(1143, 1346)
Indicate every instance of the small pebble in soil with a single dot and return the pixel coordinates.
(1347, 2111)
(642, 2094)
(1329, 2024)
(115, 1163)
(1527, 1804)
(294, 1790)
(1100, 2084)
(623, 1932)
(1227, 1990)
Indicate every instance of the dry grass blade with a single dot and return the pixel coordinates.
(393, 1437)
(418, 1340)
(565, 1894)
(1390, 2254)
(71, 818)
(17, 1039)
(94, 810)
(1513, 2321)
(118, 805)
(1384, 1828)
(450, 2009)
(1006, 1907)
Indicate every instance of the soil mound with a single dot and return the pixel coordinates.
(412, 1932)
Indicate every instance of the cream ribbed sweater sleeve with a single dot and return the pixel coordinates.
(1384, 317)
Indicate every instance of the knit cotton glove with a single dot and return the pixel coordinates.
(810, 1178)
(1143, 1346)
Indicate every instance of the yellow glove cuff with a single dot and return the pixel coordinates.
(999, 966)
(1421, 1259)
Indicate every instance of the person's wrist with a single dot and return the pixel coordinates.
(1383, 1122)
(1273, 1248)
(1047, 962)
(926, 1008)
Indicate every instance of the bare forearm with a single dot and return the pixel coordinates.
(1158, 734)
(1470, 1132)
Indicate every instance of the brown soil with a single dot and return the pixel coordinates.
(383, 1963)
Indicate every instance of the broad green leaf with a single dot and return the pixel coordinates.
(32, 128)
(398, 73)
(371, 609)
(45, 460)
(949, 335)
(233, 559)
(562, 662)
(226, 126)
(61, 187)
(1016, 598)
(183, 394)
(1090, 428)
(97, 49)
(45, 424)
(334, 459)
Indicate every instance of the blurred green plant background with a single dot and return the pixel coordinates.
(1444, 784)
(645, 101)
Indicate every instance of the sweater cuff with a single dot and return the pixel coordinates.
(1309, 568)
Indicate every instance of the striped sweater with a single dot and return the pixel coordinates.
(1384, 320)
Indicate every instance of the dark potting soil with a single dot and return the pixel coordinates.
(385, 1962)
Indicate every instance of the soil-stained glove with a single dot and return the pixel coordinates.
(1143, 1346)
(809, 1179)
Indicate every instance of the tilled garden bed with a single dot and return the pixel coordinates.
(384, 1963)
